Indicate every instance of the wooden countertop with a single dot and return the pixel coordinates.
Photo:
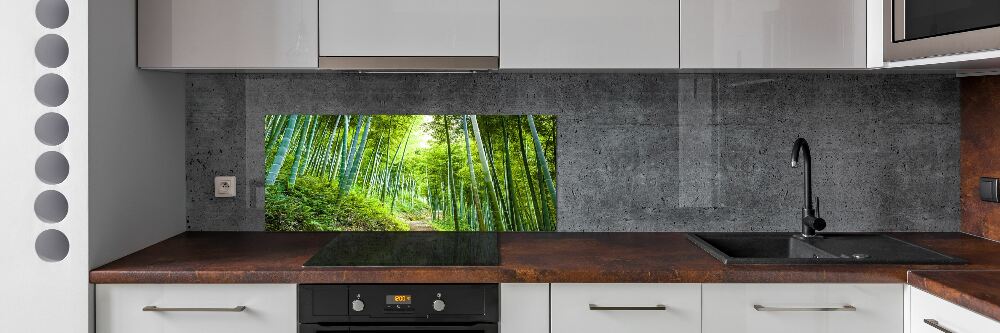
(259, 257)
(978, 291)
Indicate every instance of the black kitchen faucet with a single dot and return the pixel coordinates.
(810, 222)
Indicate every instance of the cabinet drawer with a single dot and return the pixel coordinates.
(633, 308)
(803, 308)
(269, 308)
(946, 315)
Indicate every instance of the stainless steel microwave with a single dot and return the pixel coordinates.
(917, 29)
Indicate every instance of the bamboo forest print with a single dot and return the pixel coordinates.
(410, 172)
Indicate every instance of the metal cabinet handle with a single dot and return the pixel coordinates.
(595, 307)
(159, 309)
(934, 323)
(769, 308)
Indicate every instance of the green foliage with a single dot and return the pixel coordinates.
(443, 225)
(314, 205)
(413, 213)
(324, 174)
(281, 150)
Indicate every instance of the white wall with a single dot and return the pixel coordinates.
(38, 295)
(138, 131)
(137, 192)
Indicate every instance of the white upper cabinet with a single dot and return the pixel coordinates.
(589, 34)
(195, 34)
(409, 28)
(511, 34)
(779, 34)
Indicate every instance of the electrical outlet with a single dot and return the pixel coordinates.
(225, 186)
(988, 189)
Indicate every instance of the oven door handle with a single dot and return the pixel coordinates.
(485, 328)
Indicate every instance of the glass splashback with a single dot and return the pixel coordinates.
(410, 172)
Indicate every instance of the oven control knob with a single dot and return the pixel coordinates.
(358, 305)
(438, 305)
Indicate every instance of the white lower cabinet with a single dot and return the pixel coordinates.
(187, 308)
(628, 307)
(524, 307)
(803, 308)
(569, 308)
(930, 314)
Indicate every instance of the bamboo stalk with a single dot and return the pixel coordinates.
(527, 172)
(540, 155)
(303, 138)
(493, 202)
(279, 158)
(472, 176)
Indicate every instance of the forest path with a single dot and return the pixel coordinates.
(419, 225)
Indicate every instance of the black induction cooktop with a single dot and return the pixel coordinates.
(409, 248)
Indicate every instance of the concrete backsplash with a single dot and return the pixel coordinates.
(637, 152)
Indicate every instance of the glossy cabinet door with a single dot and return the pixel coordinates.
(426, 28)
(189, 308)
(589, 34)
(524, 307)
(626, 307)
(774, 34)
(930, 314)
(227, 34)
(803, 308)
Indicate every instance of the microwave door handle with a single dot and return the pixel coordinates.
(898, 17)
(323, 329)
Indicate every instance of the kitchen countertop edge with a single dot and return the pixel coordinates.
(978, 291)
(594, 257)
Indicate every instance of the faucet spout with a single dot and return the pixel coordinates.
(802, 146)
(810, 222)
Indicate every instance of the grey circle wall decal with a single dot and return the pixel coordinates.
(52, 167)
(52, 245)
(51, 90)
(52, 13)
(51, 128)
(51, 206)
(51, 51)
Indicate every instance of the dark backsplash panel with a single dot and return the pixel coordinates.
(980, 148)
(637, 152)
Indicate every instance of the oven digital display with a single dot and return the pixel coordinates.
(398, 299)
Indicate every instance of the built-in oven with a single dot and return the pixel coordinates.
(378, 308)
(916, 29)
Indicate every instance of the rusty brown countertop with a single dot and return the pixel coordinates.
(978, 291)
(261, 257)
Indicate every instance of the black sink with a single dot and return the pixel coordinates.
(835, 248)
